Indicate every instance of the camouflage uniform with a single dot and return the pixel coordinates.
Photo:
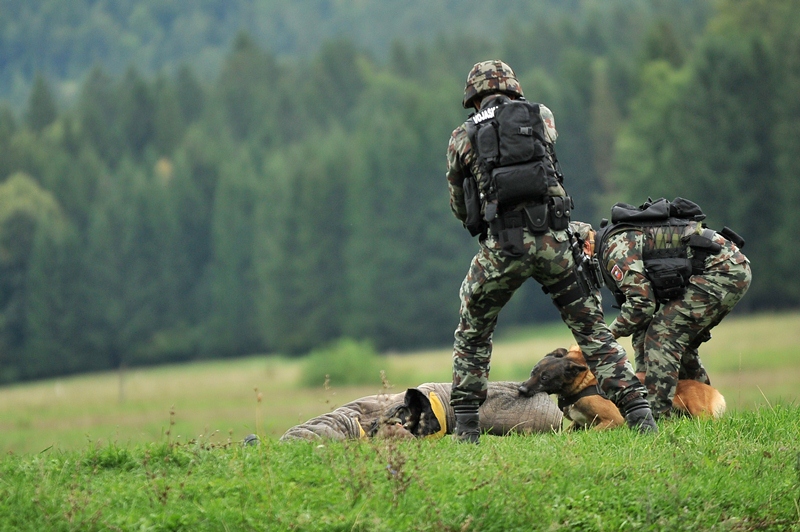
(666, 337)
(493, 278)
(504, 412)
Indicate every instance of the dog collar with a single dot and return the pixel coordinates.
(441, 417)
(564, 402)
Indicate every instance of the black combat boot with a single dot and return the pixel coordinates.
(638, 414)
(468, 427)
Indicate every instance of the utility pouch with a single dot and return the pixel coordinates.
(560, 208)
(474, 222)
(703, 242)
(669, 273)
(536, 218)
(702, 246)
(508, 231)
(520, 183)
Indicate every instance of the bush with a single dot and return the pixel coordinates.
(342, 363)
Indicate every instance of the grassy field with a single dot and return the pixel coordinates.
(741, 473)
(753, 360)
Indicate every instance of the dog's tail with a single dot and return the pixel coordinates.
(718, 405)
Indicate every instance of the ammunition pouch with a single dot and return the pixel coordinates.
(560, 210)
(474, 222)
(507, 227)
(669, 271)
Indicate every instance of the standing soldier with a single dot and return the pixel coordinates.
(674, 281)
(506, 188)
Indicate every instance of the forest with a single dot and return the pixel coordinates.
(199, 179)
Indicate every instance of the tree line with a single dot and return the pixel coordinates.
(286, 204)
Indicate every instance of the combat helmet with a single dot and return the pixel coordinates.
(490, 76)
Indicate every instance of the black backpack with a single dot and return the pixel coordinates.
(667, 265)
(508, 137)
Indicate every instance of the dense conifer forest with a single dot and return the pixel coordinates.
(195, 179)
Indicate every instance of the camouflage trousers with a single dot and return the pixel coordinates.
(492, 280)
(667, 348)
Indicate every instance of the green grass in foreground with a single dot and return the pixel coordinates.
(739, 473)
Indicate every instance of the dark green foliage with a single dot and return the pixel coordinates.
(28, 216)
(715, 131)
(342, 363)
(297, 199)
(41, 110)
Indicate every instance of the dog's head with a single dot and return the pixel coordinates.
(556, 373)
(414, 418)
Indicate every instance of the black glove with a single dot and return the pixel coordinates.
(639, 416)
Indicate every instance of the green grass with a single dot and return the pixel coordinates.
(753, 360)
(158, 449)
(739, 473)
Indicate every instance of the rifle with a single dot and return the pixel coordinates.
(587, 268)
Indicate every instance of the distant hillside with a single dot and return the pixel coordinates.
(64, 38)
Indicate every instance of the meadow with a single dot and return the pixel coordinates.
(753, 360)
(160, 449)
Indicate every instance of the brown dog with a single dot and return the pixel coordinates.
(565, 373)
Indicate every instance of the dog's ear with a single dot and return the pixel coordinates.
(421, 420)
(574, 369)
(557, 353)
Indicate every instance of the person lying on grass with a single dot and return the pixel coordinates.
(425, 411)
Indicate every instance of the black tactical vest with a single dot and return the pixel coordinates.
(665, 254)
(509, 140)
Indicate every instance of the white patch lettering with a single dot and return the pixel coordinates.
(484, 115)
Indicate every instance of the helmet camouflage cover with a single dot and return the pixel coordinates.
(490, 76)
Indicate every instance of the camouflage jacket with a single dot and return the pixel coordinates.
(622, 258)
(504, 411)
(462, 162)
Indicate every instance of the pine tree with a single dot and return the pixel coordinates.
(41, 111)
(25, 210)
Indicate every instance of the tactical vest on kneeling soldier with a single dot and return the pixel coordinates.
(675, 244)
(522, 185)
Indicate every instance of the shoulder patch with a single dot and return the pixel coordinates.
(616, 273)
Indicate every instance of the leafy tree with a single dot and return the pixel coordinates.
(661, 43)
(25, 210)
